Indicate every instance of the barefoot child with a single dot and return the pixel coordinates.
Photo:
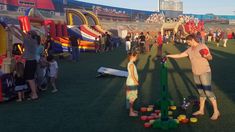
(132, 84)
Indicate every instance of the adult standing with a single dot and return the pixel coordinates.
(210, 36)
(225, 38)
(96, 42)
(40, 72)
(107, 41)
(74, 44)
(102, 41)
(147, 44)
(199, 55)
(203, 36)
(199, 37)
(40, 48)
(128, 42)
(48, 45)
(30, 54)
(159, 45)
(142, 42)
(217, 39)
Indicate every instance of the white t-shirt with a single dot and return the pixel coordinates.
(53, 69)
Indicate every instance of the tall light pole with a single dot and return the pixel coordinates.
(158, 5)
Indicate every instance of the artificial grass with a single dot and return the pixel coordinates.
(85, 103)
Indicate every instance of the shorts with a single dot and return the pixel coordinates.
(131, 93)
(203, 83)
(21, 88)
(30, 69)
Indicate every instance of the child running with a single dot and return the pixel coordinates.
(53, 72)
(132, 83)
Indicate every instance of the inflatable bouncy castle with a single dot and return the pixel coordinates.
(33, 20)
(57, 30)
(84, 25)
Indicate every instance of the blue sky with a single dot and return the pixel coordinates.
(219, 7)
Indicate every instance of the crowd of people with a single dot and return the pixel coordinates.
(40, 69)
(185, 19)
(156, 18)
(37, 70)
(109, 12)
(142, 43)
(106, 42)
(160, 18)
(217, 36)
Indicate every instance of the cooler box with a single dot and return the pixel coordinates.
(7, 87)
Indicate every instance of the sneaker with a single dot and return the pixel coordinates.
(19, 100)
(43, 88)
(54, 90)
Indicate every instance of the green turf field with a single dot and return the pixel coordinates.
(88, 104)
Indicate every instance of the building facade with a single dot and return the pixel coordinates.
(171, 8)
(52, 8)
(20, 6)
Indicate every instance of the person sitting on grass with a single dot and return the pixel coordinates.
(53, 72)
(132, 84)
(201, 73)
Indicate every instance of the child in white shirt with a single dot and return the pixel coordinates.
(53, 72)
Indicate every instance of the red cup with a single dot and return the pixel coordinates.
(147, 125)
(144, 118)
(185, 121)
(204, 52)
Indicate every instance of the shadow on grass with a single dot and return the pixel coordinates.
(188, 83)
